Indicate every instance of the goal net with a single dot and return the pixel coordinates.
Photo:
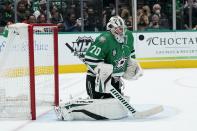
(29, 71)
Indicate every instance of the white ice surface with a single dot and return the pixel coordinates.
(175, 89)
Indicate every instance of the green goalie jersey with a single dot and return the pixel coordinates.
(106, 49)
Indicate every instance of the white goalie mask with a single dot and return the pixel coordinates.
(116, 26)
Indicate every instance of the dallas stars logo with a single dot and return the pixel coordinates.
(120, 63)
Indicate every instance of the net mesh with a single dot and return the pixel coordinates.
(15, 91)
(14, 79)
(44, 62)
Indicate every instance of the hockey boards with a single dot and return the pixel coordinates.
(121, 99)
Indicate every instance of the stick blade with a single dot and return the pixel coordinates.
(149, 112)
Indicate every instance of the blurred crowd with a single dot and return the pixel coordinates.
(67, 14)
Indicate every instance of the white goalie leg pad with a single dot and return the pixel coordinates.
(103, 77)
(92, 109)
(133, 71)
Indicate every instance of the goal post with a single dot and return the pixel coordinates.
(42, 28)
(29, 71)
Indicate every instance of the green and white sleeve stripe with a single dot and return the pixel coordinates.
(92, 61)
(132, 55)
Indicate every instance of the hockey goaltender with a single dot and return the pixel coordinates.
(109, 59)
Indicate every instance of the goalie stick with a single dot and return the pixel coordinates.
(119, 97)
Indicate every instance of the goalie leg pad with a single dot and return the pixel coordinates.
(93, 109)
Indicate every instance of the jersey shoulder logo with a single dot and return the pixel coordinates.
(102, 39)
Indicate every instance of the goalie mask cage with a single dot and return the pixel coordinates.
(29, 71)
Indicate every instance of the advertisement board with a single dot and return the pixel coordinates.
(166, 45)
(153, 49)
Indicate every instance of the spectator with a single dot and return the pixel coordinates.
(186, 14)
(7, 13)
(73, 9)
(34, 6)
(71, 23)
(56, 18)
(31, 19)
(42, 19)
(27, 4)
(129, 23)
(22, 12)
(42, 9)
(125, 15)
(155, 23)
(157, 9)
(106, 15)
(91, 23)
(194, 13)
(163, 19)
(147, 11)
(112, 8)
(85, 17)
(142, 20)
